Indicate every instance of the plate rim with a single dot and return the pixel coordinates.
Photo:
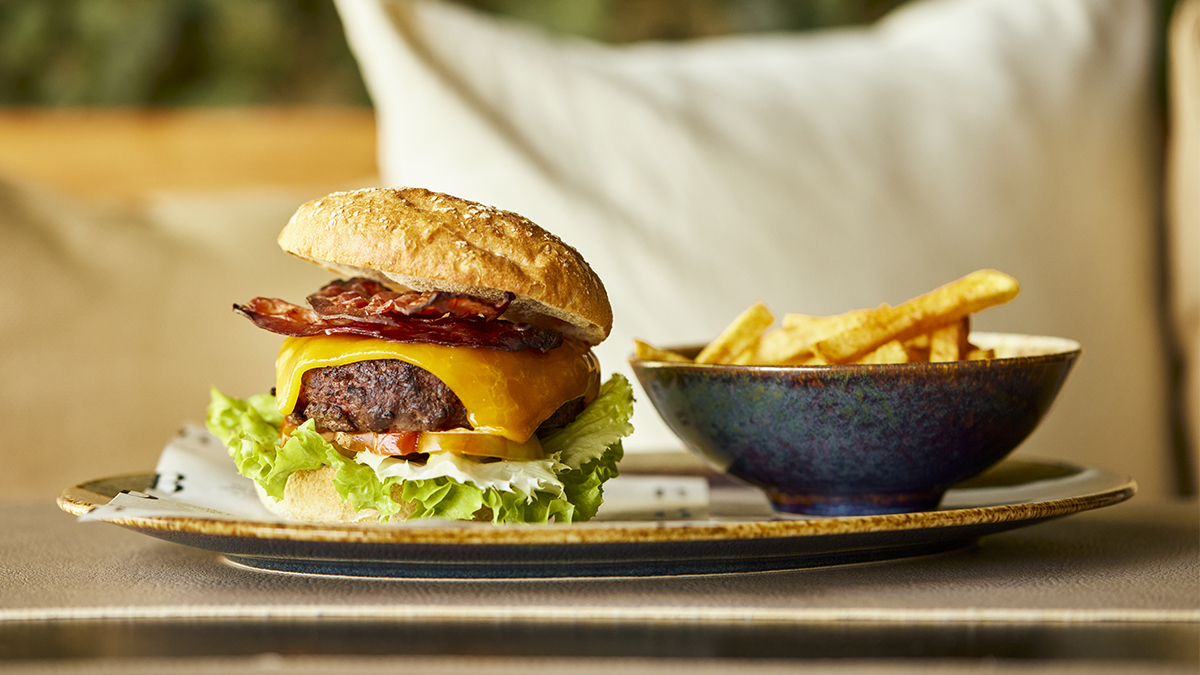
(79, 500)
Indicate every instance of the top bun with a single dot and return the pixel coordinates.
(416, 239)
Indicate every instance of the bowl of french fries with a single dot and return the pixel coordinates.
(873, 411)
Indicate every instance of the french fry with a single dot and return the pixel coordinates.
(890, 352)
(949, 343)
(940, 307)
(792, 344)
(917, 348)
(780, 347)
(648, 352)
(934, 327)
(823, 324)
(811, 360)
(977, 354)
(739, 336)
(746, 356)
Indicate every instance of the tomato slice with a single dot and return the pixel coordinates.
(391, 444)
(478, 444)
(399, 444)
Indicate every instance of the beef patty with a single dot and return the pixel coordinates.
(381, 396)
(389, 395)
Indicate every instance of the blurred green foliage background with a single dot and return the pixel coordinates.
(276, 52)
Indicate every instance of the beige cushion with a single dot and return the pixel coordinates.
(819, 173)
(117, 322)
(1183, 209)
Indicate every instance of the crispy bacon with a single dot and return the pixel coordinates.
(369, 301)
(285, 318)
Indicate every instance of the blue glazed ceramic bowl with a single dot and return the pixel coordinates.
(861, 439)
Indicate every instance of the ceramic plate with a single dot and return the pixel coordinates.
(740, 533)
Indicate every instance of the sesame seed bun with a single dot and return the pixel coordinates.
(416, 239)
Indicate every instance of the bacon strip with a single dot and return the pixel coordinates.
(370, 301)
(284, 318)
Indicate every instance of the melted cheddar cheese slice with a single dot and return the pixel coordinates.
(505, 393)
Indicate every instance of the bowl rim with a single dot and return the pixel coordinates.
(1058, 348)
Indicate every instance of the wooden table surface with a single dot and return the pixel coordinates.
(1111, 589)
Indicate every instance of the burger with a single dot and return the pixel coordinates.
(446, 372)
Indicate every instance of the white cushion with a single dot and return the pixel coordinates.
(818, 173)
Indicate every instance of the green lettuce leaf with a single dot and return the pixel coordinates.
(590, 446)
(250, 430)
(588, 449)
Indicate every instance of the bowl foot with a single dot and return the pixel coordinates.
(868, 504)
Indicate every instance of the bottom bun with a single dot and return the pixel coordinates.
(310, 496)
